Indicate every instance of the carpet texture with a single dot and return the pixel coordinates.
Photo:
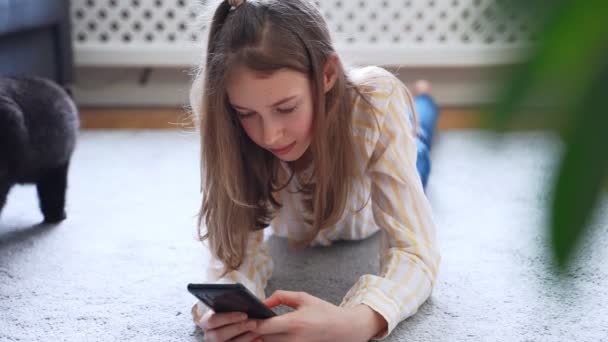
(117, 268)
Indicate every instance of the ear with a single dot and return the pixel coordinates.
(330, 71)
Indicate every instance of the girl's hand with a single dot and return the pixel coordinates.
(219, 327)
(316, 320)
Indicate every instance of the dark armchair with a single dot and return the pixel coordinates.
(35, 39)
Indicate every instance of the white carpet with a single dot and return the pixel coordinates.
(117, 269)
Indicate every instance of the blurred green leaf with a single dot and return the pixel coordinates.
(566, 79)
(563, 62)
(582, 172)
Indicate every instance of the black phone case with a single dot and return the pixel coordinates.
(231, 298)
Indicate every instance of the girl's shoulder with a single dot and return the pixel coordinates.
(377, 88)
(374, 81)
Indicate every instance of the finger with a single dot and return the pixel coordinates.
(201, 320)
(247, 337)
(227, 332)
(289, 298)
(194, 312)
(212, 320)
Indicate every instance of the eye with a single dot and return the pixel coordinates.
(286, 110)
(245, 115)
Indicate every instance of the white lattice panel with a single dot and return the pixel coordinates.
(387, 32)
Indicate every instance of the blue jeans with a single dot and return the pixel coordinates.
(428, 112)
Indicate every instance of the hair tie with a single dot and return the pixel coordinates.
(235, 3)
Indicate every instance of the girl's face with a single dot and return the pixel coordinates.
(274, 110)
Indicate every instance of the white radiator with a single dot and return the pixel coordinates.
(426, 33)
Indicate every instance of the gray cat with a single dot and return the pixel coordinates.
(38, 128)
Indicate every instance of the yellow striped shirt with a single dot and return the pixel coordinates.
(386, 153)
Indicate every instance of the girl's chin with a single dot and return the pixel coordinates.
(287, 158)
(296, 153)
(292, 156)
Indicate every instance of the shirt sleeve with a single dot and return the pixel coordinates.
(409, 255)
(254, 272)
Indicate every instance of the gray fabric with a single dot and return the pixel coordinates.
(35, 39)
(117, 269)
(28, 14)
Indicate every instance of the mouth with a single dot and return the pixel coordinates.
(283, 150)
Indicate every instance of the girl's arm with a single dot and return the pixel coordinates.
(254, 273)
(409, 255)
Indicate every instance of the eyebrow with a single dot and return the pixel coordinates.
(278, 103)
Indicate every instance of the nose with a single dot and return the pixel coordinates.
(273, 132)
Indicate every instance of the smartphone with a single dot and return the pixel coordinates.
(231, 298)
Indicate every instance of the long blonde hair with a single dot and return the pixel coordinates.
(239, 178)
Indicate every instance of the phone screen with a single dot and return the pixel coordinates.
(230, 298)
